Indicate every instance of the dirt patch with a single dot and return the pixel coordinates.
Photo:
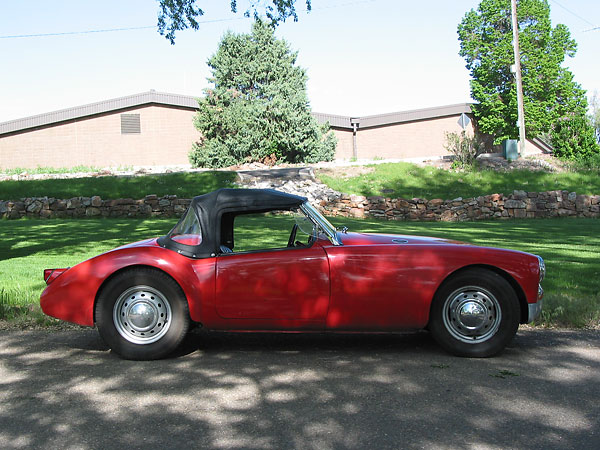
(344, 172)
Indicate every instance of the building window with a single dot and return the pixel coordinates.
(130, 124)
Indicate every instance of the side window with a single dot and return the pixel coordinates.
(272, 230)
(187, 231)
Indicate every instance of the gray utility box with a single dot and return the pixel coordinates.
(510, 149)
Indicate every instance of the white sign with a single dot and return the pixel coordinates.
(464, 121)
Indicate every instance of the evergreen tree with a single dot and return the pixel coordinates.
(258, 109)
(550, 94)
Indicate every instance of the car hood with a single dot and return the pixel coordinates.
(378, 239)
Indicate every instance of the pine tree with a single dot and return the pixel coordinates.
(258, 109)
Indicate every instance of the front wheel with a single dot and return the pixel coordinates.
(475, 314)
(142, 314)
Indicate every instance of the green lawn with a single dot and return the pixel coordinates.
(569, 246)
(390, 179)
(410, 181)
(45, 170)
(184, 185)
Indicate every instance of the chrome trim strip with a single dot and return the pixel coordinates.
(321, 222)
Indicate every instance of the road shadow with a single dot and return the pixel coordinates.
(265, 390)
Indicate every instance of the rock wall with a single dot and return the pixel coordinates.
(519, 204)
(79, 207)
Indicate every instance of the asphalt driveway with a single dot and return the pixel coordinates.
(66, 390)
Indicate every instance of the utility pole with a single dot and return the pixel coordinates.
(520, 109)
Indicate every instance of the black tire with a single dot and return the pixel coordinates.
(142, 314)
(475, 314)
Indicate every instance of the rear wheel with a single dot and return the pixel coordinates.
(475, 314)
(142, 314)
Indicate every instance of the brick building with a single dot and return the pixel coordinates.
(154, 128)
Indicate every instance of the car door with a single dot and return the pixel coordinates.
(279, 284)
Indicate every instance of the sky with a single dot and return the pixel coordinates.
(363, 57)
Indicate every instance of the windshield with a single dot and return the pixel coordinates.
(305, 224)
(187, 231)
(322, 223)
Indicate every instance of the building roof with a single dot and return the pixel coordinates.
(92, 109)
(189, 102)
(415, 114)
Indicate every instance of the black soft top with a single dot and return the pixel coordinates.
(216, 211)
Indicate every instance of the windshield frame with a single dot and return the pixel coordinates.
(321, 222)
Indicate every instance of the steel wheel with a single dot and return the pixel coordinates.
(475, 313)
(142, 315)
(472, 314)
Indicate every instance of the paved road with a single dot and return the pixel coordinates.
(66, 390)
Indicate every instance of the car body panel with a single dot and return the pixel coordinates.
(291, 283)
(388, 287)
(369, 283)
(71, 295)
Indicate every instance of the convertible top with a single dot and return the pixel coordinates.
(216, 211)
(244, 200)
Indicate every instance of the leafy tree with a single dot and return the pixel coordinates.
(177, 15)
(258, 109)
(549, 91)
(595, 114)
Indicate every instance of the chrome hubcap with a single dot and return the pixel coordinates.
(142, 315)
(472, 314)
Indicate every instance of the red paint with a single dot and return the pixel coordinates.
(369, 284)
(279, 284)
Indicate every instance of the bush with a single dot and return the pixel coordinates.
(211, 154)
(574, 138)
(586, 164)
(464, 147)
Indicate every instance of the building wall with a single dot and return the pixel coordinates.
(344, 143)
(418, 139)
(166, 137)
(167, 134)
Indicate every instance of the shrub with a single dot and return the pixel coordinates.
(464, 147)
(573, 138)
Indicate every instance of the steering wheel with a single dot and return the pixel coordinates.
(293, 235)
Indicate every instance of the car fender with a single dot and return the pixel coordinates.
(73, 294)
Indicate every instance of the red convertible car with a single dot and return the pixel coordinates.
(232, 263)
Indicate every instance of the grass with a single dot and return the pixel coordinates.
(570, 248)
(53, 170)
(184, 185)
(409, 181)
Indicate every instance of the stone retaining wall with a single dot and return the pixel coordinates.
(519, 204)
(79, 207)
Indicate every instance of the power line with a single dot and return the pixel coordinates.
(111, 30)
(573, 13)
(108, 30)
(339, 5)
